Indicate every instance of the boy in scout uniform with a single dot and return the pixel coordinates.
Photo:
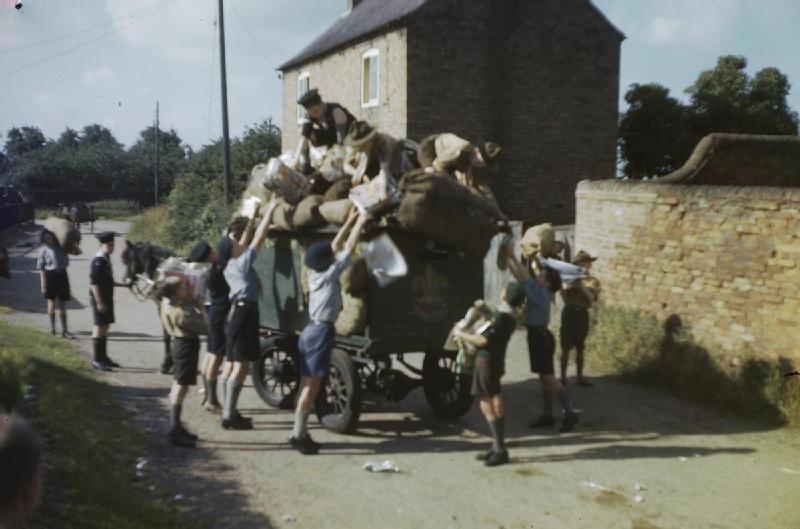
(101, 295)
(241, 329)
(184, 321)
(579, 297)
(326, 123)
(52, 265)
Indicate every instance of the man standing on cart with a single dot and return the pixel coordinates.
(327, 261)
(326, 124)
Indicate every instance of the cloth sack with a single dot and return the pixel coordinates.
(353, 317)
(307, 214)
(339, 190)
(354, 277)
(538, 240)
(440, 208)
(283, 215)
(67, 235)
(336, 212)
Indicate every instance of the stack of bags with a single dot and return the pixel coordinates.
(195, 275)
(67, 234)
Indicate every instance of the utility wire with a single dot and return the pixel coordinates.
(79, 32)
(252, 38)
(213, 71)
(85, 43)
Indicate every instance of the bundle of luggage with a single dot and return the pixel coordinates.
(67, 234)
(195, 276)
(420, 199)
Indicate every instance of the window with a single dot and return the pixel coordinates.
(369, 78)
(302, 88)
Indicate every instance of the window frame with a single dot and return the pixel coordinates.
(301, 112)
(370, 55)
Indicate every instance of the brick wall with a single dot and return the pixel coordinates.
(725, 259)
(338, 77)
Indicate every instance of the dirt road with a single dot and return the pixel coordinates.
(698, 468)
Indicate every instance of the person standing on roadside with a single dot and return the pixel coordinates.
(101, 296)
(52, 266)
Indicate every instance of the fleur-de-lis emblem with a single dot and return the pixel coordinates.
(430, 290)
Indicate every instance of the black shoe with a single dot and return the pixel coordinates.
(112, 363)
(180, 428)
(570, 420)
(241, 417)
(178, 438)
(100, 366)
(483, 456)
(306, 446)
(543, 421)
(237, 422)
(166, 370)
(497, 459)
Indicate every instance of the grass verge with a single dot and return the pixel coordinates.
(665, 355)
(91, 450)
(5, 311)
(149, 226)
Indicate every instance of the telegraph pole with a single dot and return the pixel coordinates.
(156, 175)
(226, 144)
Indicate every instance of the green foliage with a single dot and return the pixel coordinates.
(12, 378)
(657, 133)
(195, 211)
(172, 159)
(149, 226)
(116, 208)
(93, 448)
(638, 348)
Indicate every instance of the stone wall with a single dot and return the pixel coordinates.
(338, 78)
(725, 259)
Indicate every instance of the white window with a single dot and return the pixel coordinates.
(370, 61)
(302, 88)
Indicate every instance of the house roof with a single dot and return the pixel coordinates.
(369, 16)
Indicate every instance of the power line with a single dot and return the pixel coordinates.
(85, 43)
(79, 32)
(213, 71)
(252, 38)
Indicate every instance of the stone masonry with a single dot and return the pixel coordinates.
(725, 259)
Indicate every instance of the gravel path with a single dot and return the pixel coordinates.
(697, 468)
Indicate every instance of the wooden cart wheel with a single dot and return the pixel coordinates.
(338, 404)
(447, 390)
(275, 373)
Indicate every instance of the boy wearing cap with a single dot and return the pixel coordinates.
(52, 264)
(490, 367)
(327, 261)
(241, 330)
(184, 322)
(541, 343)
(326, 124)
(101, 295)
(386, 155)
(579, 296)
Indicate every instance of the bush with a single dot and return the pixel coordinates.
(116, 208)
(195, 211)
(637, 347)
(148, 226)
(13, 370)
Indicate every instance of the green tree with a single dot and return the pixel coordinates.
(657, 133)
(22, 140)
(171, 156)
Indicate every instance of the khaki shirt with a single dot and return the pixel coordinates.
(582, 292)
(183, 320)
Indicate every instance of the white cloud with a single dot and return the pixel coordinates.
(98, 75)
(665, 30)
(692, 21)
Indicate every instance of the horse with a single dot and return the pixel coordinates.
(141, 261)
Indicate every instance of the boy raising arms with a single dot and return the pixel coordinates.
(490, 367)
(327, 261)
(184, 322)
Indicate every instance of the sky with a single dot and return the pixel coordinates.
(75, 62)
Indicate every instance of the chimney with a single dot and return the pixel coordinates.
(352, 4)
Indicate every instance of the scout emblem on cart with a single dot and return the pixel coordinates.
(431, 294)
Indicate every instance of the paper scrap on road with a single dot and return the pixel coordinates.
(595, 486)
(790, 471)
(638, 499)
(386, 466)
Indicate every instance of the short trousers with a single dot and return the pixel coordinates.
(185, 354)
(574, 327)
(100, 318)
(241, 332)
(316, 345)
(541, 348)
(215, 342)
(56, 285)
(486, 377)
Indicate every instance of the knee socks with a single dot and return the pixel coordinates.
(99, 349)
(300, 430)
(232, 390)
(52, 316)
(579, 361)
(175, 416)
(64, 322)
(498, 429)
(563, 399)
(564, 364)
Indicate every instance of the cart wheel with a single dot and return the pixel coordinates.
(338, 404)
(275, 374)
(448, 391)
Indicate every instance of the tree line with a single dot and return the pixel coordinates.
(92, 158)
(658, 132)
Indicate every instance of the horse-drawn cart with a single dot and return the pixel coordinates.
(412, 315)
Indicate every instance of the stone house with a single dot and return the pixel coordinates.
(540, 77)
